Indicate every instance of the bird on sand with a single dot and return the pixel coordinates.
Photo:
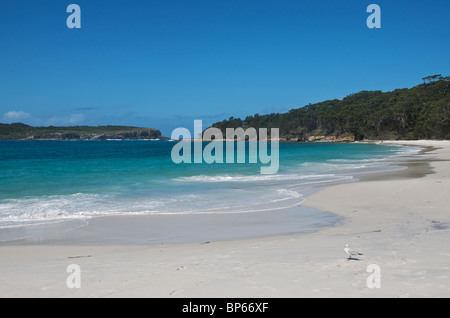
(351, 252)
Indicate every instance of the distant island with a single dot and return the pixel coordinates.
(19, 131)
(421, 112)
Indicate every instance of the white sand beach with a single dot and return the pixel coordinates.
(401, 225)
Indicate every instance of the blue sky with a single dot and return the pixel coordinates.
(163, 64)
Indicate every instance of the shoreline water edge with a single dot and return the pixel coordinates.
(283, 214)
(398, 219)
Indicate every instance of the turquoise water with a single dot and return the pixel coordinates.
(43, 181)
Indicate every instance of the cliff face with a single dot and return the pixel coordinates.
(25, 132)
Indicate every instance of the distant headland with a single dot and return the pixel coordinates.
(20, 131)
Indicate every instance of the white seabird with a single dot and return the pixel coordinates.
(351, 252)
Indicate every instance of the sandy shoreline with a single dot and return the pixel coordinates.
(402, 225)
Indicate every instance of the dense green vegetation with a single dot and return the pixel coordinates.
(421, 112)
(21, 131)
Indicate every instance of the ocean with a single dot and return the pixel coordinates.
(47, 182)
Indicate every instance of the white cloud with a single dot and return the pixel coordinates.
(14, 116)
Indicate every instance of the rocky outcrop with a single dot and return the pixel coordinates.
(318, 136)
(138, 134)
(328, 138)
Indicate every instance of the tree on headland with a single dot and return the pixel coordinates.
(432, 78)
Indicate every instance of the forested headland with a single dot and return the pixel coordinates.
(420, 112)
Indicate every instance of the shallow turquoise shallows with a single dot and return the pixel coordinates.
(41, 181)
